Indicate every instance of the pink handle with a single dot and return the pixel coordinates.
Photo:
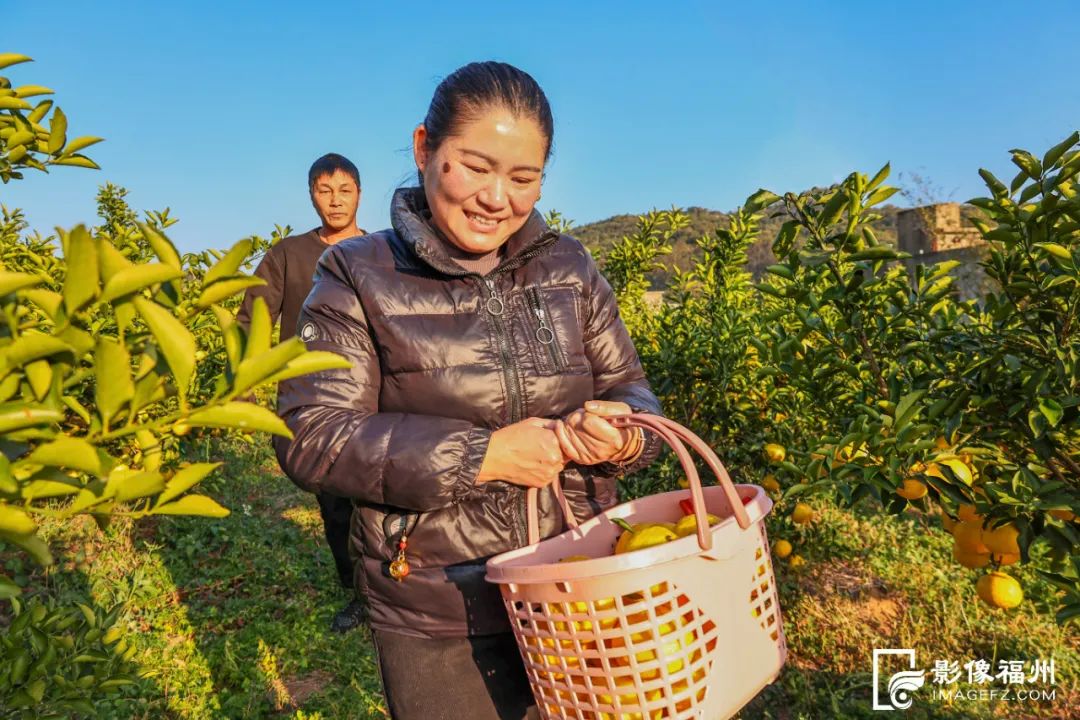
(673, 434)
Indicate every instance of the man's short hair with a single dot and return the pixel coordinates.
(330, 163)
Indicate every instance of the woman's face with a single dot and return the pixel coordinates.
(482, 183)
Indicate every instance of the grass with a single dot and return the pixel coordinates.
(231, 617)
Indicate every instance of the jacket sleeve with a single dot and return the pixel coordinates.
(617, 371)
(342, 444)
(272, 271)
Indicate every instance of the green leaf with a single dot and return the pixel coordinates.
(8, 589)
(81, 260)
(881, 196)
(254, 370)
(760, 200)
(185, 479)
(113, 386)
(997, 188)
(81, 144)
(258, 332)
(15, 521)
(12, 281)
(906, 408)
(879, 252)
(781, 271)
(57, 132)
(1058, 251)
(10, 102)
(310, 362)
(28, 348)
(879, 177)
(130, 485)
(37, 489)
(9, 59)
(239, 416)
(25, 91)
(77, 161)
(1051, 410)
(229, 264)
(39, 374)
(192, 505)
(161, 245)
(137, 277)
(33, 545)
(1037, 422)
(785, 238)
(1027, 162)
(68, 452)
(226, 288)
(174, 340)
(18, 416)
(1054, 154)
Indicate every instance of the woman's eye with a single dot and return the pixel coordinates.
(523, 181)
(478, 170)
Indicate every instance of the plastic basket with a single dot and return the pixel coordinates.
(687, 629)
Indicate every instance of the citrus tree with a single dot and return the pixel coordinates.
(112, 346)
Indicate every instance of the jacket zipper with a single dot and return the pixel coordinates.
(495, 307)
(545, 335)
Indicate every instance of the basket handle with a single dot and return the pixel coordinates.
(673, 434)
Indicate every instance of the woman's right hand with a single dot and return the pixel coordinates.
(526, 453)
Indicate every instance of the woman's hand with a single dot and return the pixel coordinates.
(587, 438)
(526, 453)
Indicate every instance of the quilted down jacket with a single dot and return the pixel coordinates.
(441, 358)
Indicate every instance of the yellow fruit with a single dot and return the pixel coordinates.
(687, 525)
(644, 535)
(574, 558)
(967, 513)
(912, 489)
(1006, 558)
(775, 453)
(181, 428)
(970, 560)
(969, 538)
(802, 514)
(941, 443)
(781, 549)
(1002, 540)
(770, 484)
(1000, 590)
(1063, 515)
(947, 522)
(796, 562)
(684, 483)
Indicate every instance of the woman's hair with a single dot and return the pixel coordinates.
(471, 89)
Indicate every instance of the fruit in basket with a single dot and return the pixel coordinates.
(574, 558)
(775, 453)
(688, 524)
(629, 699)
(642, 535)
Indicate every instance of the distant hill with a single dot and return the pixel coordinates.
(599, 236)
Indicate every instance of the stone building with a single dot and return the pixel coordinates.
(936, 233)
(934, 228)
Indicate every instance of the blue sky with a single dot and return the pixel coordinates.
(216, 110)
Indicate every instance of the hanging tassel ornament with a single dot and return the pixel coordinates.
(399, 568)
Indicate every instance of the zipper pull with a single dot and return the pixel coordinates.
(544, 334)
(494, 303)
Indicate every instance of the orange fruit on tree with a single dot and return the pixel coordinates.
(947, 522)
(775, 453)
(968, 537)
(1063, 515)
(781, 549)
(802, 514)
(1000, 590)
(912, 489)
(967, 513)
(770, 483)
(1002, 539)
(970, 559)
(1006, 558)
(796, 562)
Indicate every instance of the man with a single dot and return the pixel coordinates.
(287, 268)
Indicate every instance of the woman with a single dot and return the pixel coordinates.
(487, 350)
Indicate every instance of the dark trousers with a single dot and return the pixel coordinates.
(478, 678)
(336, 514)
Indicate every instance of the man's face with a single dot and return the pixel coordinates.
(336, 198)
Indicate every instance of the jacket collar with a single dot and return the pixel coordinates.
(411, 219)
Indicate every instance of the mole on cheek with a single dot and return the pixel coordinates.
(446, 167)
